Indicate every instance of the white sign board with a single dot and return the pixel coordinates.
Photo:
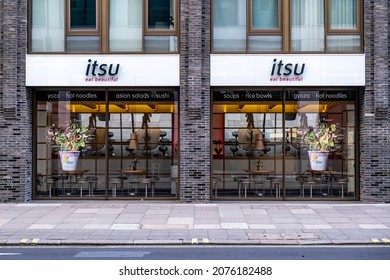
(102, 70)
(288, 70)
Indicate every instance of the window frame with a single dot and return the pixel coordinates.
(336, 31)
(158, 32)
(255, 31)
(83, 32)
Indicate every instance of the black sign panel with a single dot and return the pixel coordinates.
(320, 95)
(70, 96)
(158, 96)
(248, 96)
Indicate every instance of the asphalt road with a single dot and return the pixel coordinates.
(377, 252)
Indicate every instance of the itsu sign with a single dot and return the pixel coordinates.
(286, 72)
(101, 72)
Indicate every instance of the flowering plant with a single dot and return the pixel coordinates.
(321, 138)
(71, 138)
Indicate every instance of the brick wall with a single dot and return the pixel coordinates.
(15, 105)
(195, 101)
(375, 115)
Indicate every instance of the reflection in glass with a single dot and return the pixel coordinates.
(83, 14)
(229, 25)
(48, 26)
(343, 14)
(307, 25)
(161, 14)
(265, 14)
(161, 43)
(125, 25)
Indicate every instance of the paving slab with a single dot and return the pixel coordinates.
(143, 222)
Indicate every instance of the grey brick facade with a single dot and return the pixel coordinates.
(15, 105)
(195, 160)
(195, 101)
(375, 113)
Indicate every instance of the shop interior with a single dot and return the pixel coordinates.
(131, 150)
(258, 152)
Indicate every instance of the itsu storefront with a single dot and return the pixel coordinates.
(129, 103)
(262, 107)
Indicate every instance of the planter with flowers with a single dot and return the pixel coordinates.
(319, 140)
(69, 140)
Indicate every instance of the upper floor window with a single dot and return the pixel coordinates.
(103, 26)
(286, 26)
(82, 15)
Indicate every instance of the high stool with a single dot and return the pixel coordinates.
(310, 183)
(216, 179)
(239, 179)
(115, 182)
(342, 182)
(276, 184)
(148, 182)
(245, 184)
(50, 183)
(90, 181)
(257, 180)
(133, 180)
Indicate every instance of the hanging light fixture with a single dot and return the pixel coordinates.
(259, 145)
(133, 144)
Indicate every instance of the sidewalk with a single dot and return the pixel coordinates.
(174, 223)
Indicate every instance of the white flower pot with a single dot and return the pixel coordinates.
(318, 160)
(69, 160)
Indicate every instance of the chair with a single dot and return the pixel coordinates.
(90, 181)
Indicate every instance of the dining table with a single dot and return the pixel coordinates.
(133, 175)
(258, 177)
(71, 175)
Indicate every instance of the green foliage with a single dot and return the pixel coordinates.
(72, 137)
(321, 138)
